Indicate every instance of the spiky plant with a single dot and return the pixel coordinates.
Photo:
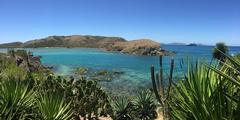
(196, 96)
(162, 96)
(229, 73)
(144, 107)
(16, 100)
(54, 107)
(123, 109)
(208, 92)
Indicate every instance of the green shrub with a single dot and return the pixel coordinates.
(216, 52)
(88, 99)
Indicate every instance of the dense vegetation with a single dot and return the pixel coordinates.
(207, 92)
(41, 95)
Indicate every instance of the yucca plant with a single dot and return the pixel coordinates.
(16, 100)
(197, 96)
(208, 92)
(54, 107)
(144, 106)
(229, 73)
(123, 109)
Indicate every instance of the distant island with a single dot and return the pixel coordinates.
(139, 47)
(192, 44)
(176, 43)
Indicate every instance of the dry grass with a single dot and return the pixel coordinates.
(160, 117)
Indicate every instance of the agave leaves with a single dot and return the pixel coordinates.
(123, 109)
(208, 92)
(144, 107)
(16, 100)
(53, 107)
(229, 69)
(193, 98)
(230, 74)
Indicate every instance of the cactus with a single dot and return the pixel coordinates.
(158, 86)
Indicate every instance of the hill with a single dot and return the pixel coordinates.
(11, 45)
(73, 41)
(139, 47)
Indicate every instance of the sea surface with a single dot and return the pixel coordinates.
(135, 68)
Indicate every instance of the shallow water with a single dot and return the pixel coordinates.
(136, 68)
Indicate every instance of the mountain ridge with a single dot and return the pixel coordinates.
(139, 46)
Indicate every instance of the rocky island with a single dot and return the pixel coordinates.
(138, 47)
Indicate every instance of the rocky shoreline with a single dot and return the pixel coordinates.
(25, 60)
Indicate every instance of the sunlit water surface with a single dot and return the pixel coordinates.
(136, 69)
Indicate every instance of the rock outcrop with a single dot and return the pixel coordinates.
(25, 60)
(139, 47)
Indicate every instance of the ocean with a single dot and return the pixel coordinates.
(135, 68)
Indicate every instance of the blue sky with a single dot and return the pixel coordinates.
(166, 21)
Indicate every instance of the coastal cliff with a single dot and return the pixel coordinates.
(139, 47)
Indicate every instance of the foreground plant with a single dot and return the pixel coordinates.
(16, 100)
(144, 106)
(197, 96)
(123, 109)
(209, 92)
(162, 96)
(54, 107)
(141, 107)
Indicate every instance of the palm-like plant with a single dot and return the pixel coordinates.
(16, 100)
(216, 52)
(144, 106)
(53, 107)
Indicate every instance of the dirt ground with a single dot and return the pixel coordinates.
(160, 117)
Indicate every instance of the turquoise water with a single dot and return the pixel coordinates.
(136, 68)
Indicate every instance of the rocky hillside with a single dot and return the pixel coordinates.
(139, 47)
(73, 41)
(11, 45)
